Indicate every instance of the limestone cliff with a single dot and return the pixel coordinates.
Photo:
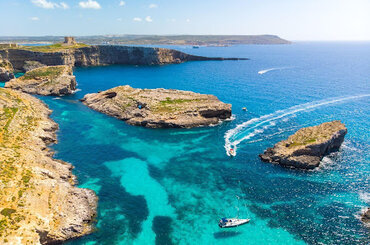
(99, 55)
(50, 80)
(39, 203)
(159, 108)
(6, 70)
(307, 146)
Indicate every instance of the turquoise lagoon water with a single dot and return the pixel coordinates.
(170, 186)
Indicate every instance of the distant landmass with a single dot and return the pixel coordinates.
(201, 40)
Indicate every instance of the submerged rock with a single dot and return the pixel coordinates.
(159, 108)
(39, 202)
(50, 80)
(365, 217)
(307, 146)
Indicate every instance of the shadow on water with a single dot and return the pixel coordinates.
(226, 234)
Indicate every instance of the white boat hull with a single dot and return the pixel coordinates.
(233, 223)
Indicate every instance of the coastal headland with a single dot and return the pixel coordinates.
(39, 203)
(46, 80)
(97, 55)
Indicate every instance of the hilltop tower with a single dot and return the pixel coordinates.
(69, 41)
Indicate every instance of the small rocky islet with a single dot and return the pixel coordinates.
(46, 80)
(159, 108)
(306, 148)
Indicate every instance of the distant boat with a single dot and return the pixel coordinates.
(233, 222)
(244, 108)
(195, 46)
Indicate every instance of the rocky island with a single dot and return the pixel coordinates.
(48, 80)
(159, 108)
(39, 203)
(307, 146)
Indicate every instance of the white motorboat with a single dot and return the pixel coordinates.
(232, 222)
(232, 152)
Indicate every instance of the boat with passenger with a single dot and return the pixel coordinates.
(232, 152)
(231, 222)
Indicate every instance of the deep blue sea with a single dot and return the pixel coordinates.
(170, 186)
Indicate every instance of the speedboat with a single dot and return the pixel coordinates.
(233, 222)
(232, 152)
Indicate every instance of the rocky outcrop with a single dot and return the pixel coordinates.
(307, 146)
(101, 55)
(50, 80)
(39, 203)
(30, 65)
(365, 217)
(159, 108)
(6, 70)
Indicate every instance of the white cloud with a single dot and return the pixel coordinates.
(137, 19)
(153, 5)
(89, 4)
(34, 18)
(49, 5)
(44, 4)
(122, 3)
(148, 19)
(119, 19)
(64, 5)
(187, 20)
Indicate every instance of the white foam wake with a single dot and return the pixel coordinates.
(272, 69)
(252, 127)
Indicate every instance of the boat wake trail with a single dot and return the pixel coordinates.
(272, 69)
(258, 125)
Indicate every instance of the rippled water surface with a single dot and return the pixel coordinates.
(170, 186)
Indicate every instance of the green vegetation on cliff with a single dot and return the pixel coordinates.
(51, 48)
(49, 72)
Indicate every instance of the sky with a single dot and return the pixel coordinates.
(289, 19)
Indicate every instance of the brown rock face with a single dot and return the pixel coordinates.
(102, 55)
(6, 70)
(39, 203)
(365, 217)
(50, 80)
(159, 108)
(307, 146)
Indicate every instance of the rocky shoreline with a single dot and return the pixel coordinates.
(48, 80)
(100, 55)
(306, 148)
(365, 217)
(159, 108)
(39, 203)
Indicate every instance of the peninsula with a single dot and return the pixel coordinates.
(39, 203)
(159, 108)
(77, 54)
(307, 146)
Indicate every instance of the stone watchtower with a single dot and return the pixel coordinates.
(69, 41)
